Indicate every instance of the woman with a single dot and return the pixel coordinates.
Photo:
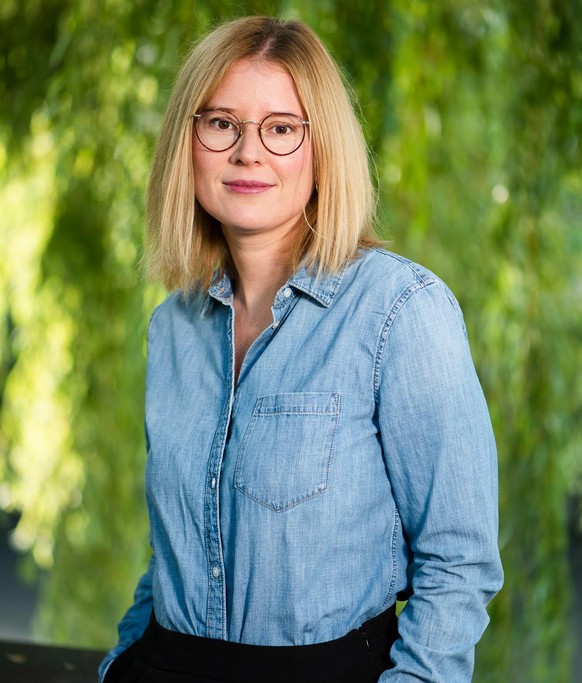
(318, 442)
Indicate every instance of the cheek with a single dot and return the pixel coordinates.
(301, 171)
(204, 172)
(203, 161)
(200, 166)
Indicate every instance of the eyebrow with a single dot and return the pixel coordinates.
(212, 108)
(230, 110)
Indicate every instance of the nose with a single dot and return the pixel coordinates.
(249, 147)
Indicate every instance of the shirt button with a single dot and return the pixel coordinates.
(287, 293)
(215, 572)
(212, 483)
(275, 325)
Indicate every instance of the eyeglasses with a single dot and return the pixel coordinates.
(281, 134)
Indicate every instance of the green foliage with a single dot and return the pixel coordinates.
(474, 114)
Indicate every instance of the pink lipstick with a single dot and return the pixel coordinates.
(240, 186)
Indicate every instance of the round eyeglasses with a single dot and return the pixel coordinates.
(281, 134)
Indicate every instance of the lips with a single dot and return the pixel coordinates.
(241, 186)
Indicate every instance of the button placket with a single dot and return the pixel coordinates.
(280, 306)
(216, 602)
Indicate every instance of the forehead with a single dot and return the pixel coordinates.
(260, 86)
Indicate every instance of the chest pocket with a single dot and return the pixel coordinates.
(286, 452)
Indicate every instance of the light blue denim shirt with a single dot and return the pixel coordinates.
(352, 463)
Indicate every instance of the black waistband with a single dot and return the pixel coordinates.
(228, 661)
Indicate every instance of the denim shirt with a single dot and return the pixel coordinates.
(353, 463)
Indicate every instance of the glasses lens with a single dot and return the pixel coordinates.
(217, 130)
(282, 133)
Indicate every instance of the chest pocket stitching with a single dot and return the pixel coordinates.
(287, 457)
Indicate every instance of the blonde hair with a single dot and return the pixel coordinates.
(184, 244)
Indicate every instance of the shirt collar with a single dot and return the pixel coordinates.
(322, 288)
(220, 289)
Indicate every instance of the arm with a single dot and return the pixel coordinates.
(136, 619)
(441, 461)
(133, 624)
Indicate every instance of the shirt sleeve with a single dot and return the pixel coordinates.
(135, 621)
(441, 461)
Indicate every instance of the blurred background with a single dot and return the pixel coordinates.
(473, 110)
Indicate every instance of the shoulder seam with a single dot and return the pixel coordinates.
(420, 274)
(397, 306)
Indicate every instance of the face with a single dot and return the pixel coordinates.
(249, 190)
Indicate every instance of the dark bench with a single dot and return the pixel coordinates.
(30, 663)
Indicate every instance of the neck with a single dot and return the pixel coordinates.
(262, 267)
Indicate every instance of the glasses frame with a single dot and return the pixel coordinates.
(197, 117)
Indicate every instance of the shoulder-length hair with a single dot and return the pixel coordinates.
(184, 244)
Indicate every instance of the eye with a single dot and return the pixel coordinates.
(220, 123)
(281, 128)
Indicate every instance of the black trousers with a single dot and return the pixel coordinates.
(163, 656)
